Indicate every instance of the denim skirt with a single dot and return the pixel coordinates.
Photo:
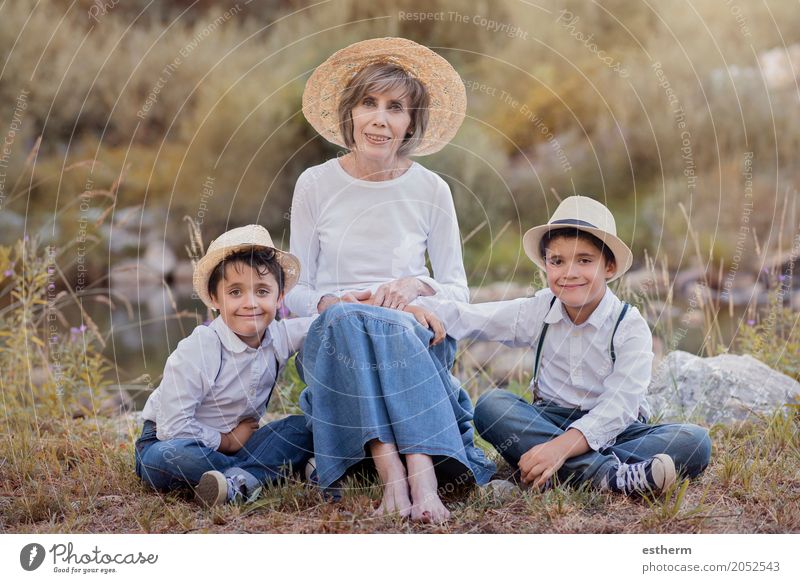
(371, 374)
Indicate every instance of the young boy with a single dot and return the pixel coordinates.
(201, 423)
(587, 422)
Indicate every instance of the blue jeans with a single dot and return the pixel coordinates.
(513, 426)
(371, 374)
(271, 453)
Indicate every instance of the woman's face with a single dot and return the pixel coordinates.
(380, 124)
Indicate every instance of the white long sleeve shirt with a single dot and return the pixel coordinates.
(352, 234)
(576, 368)
(213, 380)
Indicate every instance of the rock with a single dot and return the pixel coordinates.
(114, 401)
(685, 281)
(182, 279)
(128, 426)
(501, 490)
(159, 258)
(502, 290)
(720, 389)
(776, 66)
(644, 282)
(130, 278)
(497, 363)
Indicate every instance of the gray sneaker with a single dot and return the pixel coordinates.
(311, 471)
(651, 476)
(216, 488)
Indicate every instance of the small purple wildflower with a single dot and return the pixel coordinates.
(8, 272)
(75, 333)
(751, 322)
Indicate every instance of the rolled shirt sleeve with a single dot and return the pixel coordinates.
(511, 322)
(188, 377)
(624, 388)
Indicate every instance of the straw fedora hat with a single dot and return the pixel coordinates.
(235, 240)
(585, 214)
(448, 97)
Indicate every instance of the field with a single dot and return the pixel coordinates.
(77, 476)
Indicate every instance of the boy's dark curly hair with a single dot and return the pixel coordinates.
(262, 259)
(575, 233)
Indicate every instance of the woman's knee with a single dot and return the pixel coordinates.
(343, 310)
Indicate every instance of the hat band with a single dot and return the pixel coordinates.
(576, 222)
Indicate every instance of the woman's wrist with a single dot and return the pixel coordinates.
(423, 288)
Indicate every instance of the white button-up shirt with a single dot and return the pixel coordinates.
(213, 380)
(352, 234)
(576, 368)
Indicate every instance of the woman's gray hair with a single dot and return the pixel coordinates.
(379, 78)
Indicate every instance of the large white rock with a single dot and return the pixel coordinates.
(720, 389)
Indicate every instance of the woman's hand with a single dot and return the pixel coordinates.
(399, 293)
(356, 297)
(429, 320)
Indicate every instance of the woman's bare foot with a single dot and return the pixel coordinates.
(426, 505)
(392, 473)
(395, 499)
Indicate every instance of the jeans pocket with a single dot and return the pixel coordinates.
(147, 437)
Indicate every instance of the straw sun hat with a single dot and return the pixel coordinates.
(584, 214)
(448, 98)
(236, 240)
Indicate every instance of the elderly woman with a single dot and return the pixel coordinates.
(361, 225)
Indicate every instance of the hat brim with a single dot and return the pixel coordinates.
(448, 96)
(623, 256)
(202, 271)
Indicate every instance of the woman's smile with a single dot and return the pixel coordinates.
(377, 139)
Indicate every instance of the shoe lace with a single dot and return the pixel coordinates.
(632, 478)
(237, 490)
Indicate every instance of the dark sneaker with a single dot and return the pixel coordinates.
(216, 488)
(651, 476)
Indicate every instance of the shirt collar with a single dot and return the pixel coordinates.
(558, 312)
(231, 341)
(603, 309)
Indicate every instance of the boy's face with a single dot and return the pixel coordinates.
(247, 301)
(577, 274)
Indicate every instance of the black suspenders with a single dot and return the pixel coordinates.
(537, 362)
(275, 382)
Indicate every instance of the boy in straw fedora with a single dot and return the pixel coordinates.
(201, 423)
(587, 421)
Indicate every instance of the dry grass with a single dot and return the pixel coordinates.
(77, 476)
